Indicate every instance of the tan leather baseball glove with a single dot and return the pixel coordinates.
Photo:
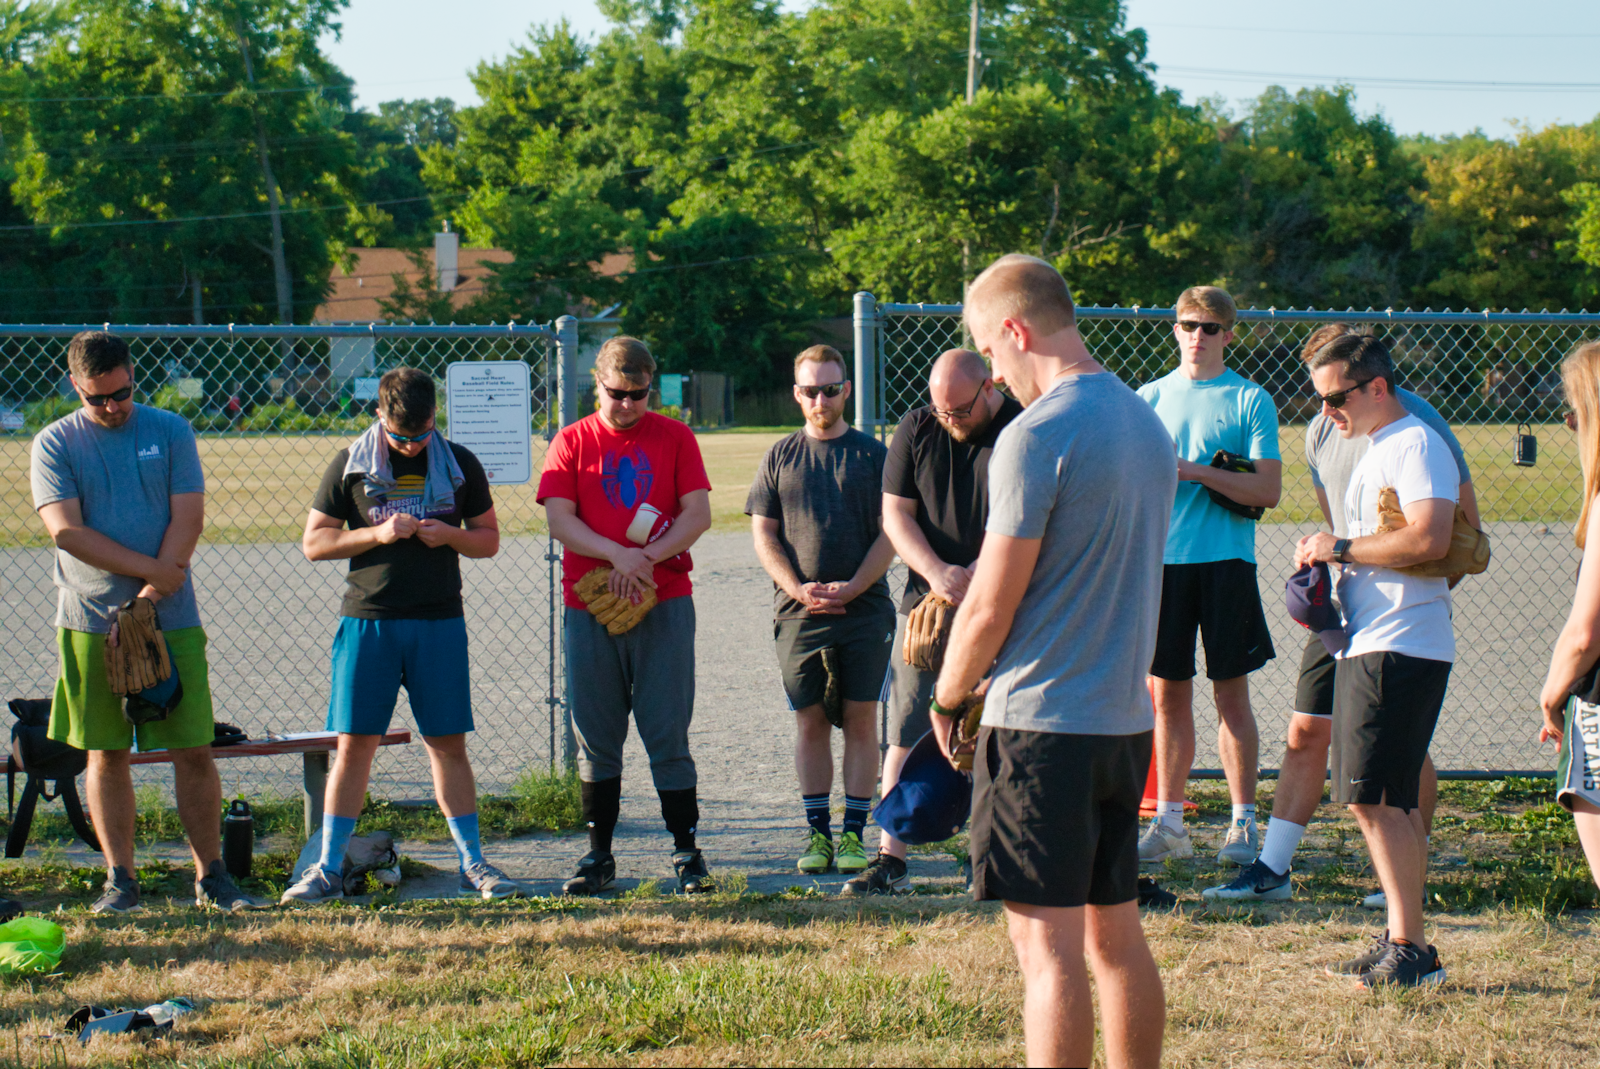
(964, 733)
(138, 660)
(928, 632)
(620, 615)
(1469, 547)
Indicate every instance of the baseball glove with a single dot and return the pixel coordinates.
(139, 659)
(1234, 462)
(620, 615)
(832, 696)
(1469, 547)
(927, 632)
(964, 734)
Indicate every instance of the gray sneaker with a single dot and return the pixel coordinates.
(1242, 843)
(218, 891)
(316, 885)
(1160, 842)
(119, 895)
(485, 881)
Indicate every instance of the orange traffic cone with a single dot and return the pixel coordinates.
(1147, 807)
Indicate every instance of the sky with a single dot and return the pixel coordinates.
(1429, 67)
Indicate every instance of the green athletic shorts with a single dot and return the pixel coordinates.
(86, 715)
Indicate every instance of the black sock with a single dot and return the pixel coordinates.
(856, 812)
(681, 811)
(817, 813)
(602, 801)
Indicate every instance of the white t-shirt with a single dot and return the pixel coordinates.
(1385, 611)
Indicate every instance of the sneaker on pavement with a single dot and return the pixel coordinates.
(817, 857)
(1159, 842)
(851, 857)
(1153, 896)
(1403, 965)
(596, 872)
(315, 885)
(1242, 843)
(10, 909)
(1363, 962)
(1257, 883)
(887, 875)
(216, 890)
(693, 876)
(1376, 900)
(119, 895)
(485, 881)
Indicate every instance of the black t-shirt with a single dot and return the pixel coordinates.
(825, 494)
(950, 482)
(406, 580)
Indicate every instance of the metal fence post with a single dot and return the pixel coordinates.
(567, 367)
(865, 321)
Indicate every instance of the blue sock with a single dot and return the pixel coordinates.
(464, 830)
(856, 813)
(817, 813)
(336, 832)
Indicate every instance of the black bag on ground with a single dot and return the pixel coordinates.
(42, 760)
(1234, 462)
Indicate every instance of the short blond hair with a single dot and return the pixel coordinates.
(1023, 288)
(628, 358)
(1213, 300)
(822, 354)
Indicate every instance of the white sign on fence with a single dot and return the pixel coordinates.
(491, 413)
(365, 389)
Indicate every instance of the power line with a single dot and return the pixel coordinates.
(1387, 82)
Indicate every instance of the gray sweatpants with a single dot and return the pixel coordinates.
(648, 672)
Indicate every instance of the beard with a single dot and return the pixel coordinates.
(971, 431)
(823, 419)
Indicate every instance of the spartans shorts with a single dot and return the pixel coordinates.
(864, 644)
(1385, 707)
(86, 715)
(1313, 695)
(1578, 767)
(1055, 818)
(373, 659)
(1221, 600)
(910, 691)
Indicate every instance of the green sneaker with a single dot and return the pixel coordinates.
(818, 856)
(851, 857)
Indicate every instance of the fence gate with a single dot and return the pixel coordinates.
(1486, 373)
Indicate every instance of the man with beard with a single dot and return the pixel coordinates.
(816, 515)
(935, 502)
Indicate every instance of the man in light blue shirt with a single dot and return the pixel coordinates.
(1209, 571)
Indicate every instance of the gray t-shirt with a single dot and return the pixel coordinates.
(124, 480)
(1089, 470)
(1333, 457)
(827, 496)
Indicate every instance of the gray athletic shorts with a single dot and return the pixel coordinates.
(910, 691)
(1578, 766)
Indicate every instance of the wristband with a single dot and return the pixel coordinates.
(934, 706)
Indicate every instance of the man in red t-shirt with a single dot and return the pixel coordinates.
(626, 488)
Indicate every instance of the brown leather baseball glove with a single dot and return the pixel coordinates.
(620, 615)
(1469, 547)
(138, 660)
(928, 632)
(964, 733)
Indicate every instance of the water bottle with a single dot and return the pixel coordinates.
(238, 839)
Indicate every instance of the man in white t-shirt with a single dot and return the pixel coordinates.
(1390, 680)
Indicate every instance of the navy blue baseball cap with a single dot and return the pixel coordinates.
(1309, 593)
(931, 800)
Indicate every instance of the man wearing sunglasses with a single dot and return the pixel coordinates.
(120, 490)
(1209, 573)
(403, 505)
(815, 510)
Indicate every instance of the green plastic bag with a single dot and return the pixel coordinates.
(31, 944)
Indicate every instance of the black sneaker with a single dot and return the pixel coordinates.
(10, 909)
(119, 895)
(1359, 965)
(887, 875)
(1404, 965)
(693, 876)
(1151, 895)
(218, 891)
(1256, 883)
(595, 873)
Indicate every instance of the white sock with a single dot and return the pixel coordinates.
(1170, 814)
(1282, 838)
(1244, 812)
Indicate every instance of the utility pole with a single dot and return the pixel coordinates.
(972, 96)
(280, 262)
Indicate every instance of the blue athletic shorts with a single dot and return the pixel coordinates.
(372, 659)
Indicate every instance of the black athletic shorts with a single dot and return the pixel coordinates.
(864, 644)
(1221, 599)
(1385, 707)
(1313, 695)
(1055, 818)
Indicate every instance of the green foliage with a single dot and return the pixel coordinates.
(41, 414)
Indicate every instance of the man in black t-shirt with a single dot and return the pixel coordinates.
(403, 505)
(815, 508)
(935, 502)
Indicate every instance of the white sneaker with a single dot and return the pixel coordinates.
(1376, 900)
(1159, 842)
(1242, 843)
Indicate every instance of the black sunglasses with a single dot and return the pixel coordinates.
(1188, 325)
(631, 395)
(962, 413)
(1337, 398)
(98, 400)
(832, 389)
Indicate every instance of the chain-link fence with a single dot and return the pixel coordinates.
(1485, 373)
(272, 405)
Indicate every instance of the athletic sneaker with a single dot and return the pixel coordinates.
(1257, 883)
(120, 894)
(1160, 842)
(216, 890)
(1153, 896)
(1404, 966)
(596, 872)
(1376, 900)
(316, 885)
(693, 876)
(1242, 843)
(1362, 963)
(485, 881)
(851, 857)
(887, 875)
(817, 857)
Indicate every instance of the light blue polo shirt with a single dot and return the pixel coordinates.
(1202, 416)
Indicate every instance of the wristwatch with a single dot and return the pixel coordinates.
(1341, 547)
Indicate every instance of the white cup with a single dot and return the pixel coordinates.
(644, 521)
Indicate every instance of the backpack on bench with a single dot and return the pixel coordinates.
(43, 761)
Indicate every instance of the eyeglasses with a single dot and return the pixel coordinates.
(962, 413)
(631, 395)
(99, 400)
(1337, 398)
(832, 389)
(1188, 325)
(409, 439)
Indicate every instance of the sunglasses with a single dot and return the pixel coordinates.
(1188, 325)
(962, 413)
(631, 395)
(408, 439)
(99, 400)
(1337, 398)
(832, 389)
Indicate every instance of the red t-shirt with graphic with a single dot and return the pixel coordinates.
(610, 474)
